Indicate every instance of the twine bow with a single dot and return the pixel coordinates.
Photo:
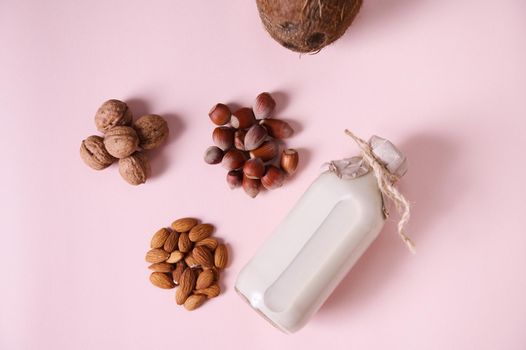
(386, 181)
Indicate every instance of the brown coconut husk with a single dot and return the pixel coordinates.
(307, 26)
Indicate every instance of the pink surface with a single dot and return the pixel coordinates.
(445, 80)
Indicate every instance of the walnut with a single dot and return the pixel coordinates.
(94, 154)
(135, 169)
(121, 141)
(112, 113)
(152, 131)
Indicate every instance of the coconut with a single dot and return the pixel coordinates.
(307, 25)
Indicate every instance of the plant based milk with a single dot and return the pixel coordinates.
(318, 242)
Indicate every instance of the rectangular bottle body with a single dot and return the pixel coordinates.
(312, 249)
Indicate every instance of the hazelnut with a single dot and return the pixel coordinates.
(135, 169)
(152, 131)
(277, 128)
(223, 137)
(255, 136)
(112, 113)
(234, 178)
(264, 105)
(267, 151)
(121, 141)
(289, 161)
(213, 155)
(273, 178)
(94, 154)
(233, 159)
(251, 186)
(220, 114)
(239, 139)
(254, 168)
(243, 118)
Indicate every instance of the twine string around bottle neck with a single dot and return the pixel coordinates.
(386, 183)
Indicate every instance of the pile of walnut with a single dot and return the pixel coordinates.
(187, 256)
(248, 144)
(123, 140)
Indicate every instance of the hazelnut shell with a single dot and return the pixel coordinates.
(220, 114)
(254, 168)
(264, 105)
(234, 178)
(267, 151)
(152, 131)
(213, 155)
(255, 136)
(243, 118)
(239, 139)
(94, 154)
(277, 128)
(223, 137)
(233, 159)
(289, 161)
(112, 113)
(273, 178)
(251, 186)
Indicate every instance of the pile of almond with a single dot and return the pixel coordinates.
(248, 143)
(186, 256)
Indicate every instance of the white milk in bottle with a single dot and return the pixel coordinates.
(320, 239)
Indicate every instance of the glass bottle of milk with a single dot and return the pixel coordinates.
(320, 239)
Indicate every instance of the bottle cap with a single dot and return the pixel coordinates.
(390, 156)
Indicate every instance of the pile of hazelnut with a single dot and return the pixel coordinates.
(123, 140)
(248, 144)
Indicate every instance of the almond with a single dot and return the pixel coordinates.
(162, 280)
(210, 292)
(190, 261)
(179, 268)
(205, 279)
(188, 257)
(175, 257)
(200, 232)
(194, 301)
(203, 256)
(186, 286)
(209, 242)
(221, 256)
(215, 270)
(159, 238)
(171, 242)
(184, 243)
(161, 267)
(180, 297)
(184, 224)
(156, 256)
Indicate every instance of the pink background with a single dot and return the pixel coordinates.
(445, 80)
